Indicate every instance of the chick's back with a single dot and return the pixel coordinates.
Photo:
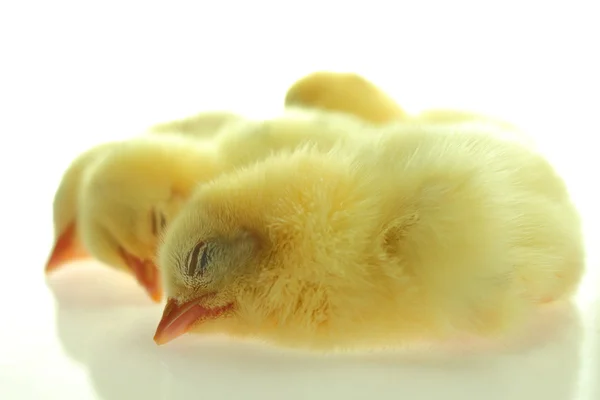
(484, 193)
(417, 230)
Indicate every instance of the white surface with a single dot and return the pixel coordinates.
(73, 74)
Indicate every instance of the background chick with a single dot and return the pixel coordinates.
(422, 232)
(129, 196)
(68, 244)
(344, 92)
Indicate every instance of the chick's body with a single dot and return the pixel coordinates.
(418, 232)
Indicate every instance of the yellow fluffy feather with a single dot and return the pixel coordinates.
(418, 232)
(69, 231)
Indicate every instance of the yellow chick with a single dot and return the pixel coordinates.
(129, 197)
(68, 245)
(419, 232)
(344, 92)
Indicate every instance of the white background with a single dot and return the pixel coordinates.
(75, 73)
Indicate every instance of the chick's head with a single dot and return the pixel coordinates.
(263, 250)
(131, 195)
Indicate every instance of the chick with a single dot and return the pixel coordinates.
(68, 245)
(129, 196)
(344, 92)
(419, 232)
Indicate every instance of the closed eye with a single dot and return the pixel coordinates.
(163, 222)
(158, 222)
(198, 259)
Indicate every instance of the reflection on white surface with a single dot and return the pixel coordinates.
(75, 73)
(112, 337)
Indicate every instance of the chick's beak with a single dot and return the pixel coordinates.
(146, 273)
(178, 319)
(67, 248)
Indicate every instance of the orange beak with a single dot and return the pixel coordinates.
(146, 274)
(66, 249)
(178, 319)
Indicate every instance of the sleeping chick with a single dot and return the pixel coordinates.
(68, 245)
(344, 92)
(418, 233)
(129, 196)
